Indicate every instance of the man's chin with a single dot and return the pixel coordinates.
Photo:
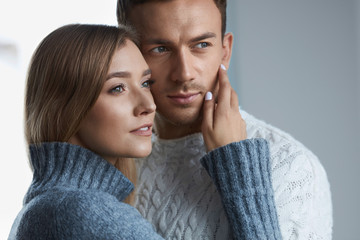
(181, 118)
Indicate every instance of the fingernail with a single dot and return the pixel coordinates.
(223, 67)
(208, 96)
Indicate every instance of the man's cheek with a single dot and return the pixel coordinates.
(215, 87)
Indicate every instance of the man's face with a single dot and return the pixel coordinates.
(182, 43)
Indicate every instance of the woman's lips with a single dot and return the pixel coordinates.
(145, 130)
(182, 99)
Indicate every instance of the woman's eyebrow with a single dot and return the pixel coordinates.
(125, 74)
(121, 74)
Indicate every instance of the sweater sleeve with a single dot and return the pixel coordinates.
(241, 173)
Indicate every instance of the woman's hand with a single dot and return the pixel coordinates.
(222, 122)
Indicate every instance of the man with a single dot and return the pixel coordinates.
(184, 42)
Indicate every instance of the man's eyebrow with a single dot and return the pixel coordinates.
(157, 41)
(203, 37)
(146, 72)
(161, 41)
(124, 74)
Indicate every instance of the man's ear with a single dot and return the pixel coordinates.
(227, 49)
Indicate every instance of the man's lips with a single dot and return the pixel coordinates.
(184, 98)
(144, 130)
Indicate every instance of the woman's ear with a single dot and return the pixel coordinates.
(227, 49)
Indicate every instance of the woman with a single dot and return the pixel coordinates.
(88, 111)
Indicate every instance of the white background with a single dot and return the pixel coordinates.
(23, 24)
(295, 64)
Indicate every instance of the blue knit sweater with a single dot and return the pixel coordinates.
(75, 194)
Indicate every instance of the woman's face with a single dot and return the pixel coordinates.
(120, 123)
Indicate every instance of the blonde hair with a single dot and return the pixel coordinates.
(64, 80)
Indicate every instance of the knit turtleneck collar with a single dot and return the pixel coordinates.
(177, 151)
(180, 143)
(58, 164)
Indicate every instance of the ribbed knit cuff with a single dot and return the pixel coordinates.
(241, 172)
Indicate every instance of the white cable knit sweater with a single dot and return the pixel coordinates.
(175, 193)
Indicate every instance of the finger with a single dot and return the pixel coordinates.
(208, 113)
(234, 101)
(224, 89)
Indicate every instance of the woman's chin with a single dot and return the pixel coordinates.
(142, 152)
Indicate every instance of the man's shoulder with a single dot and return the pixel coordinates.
(277, 138)
(290, 159)
(299, 180)
(285, 151)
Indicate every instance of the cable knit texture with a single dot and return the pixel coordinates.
(75, 194)
(178, 197)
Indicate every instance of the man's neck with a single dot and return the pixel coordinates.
(167, 130)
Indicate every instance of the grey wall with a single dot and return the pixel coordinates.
(296, 65)
(358, 47)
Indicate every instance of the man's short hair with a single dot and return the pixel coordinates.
(124, 8)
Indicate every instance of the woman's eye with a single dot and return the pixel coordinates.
(160, 49)
(202, 45)
(118, 89)
(148, 83)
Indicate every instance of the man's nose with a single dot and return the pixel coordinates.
(183, 68)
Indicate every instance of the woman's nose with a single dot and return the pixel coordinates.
(145, 104)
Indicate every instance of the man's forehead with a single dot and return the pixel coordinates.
(171, 6)
(176, 18)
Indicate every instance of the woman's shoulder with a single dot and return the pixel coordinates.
(69, 214)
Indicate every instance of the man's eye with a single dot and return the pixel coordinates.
(202, 45)
(148, 83)
(118, 89)
(160, 49)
